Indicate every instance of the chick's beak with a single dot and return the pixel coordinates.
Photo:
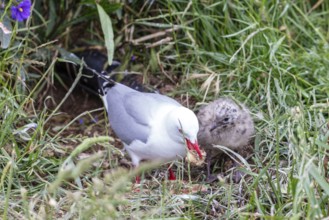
(213, 126)
(194, 146)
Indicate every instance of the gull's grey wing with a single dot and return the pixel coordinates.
(163, 98)
(130, 112)
(141, 106)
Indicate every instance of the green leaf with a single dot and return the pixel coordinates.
(52, 17)
(319, 178)
(5, 32)
(21, 83)
(108, 33)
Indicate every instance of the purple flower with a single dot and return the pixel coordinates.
(81, 121)
(22, 11)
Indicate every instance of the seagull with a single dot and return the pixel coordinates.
(223, 122)
(151, 126)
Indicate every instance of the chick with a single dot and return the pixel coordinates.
(223, 122)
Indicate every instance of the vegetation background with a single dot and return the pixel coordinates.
(58, 160)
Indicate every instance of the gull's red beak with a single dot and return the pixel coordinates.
(193, 146)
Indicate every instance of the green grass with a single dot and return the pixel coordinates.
(271, 55)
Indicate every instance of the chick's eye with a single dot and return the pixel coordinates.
(226, 119)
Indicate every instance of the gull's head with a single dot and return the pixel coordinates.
(184, 128)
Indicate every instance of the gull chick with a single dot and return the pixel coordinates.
(223, 122)
(151, 126)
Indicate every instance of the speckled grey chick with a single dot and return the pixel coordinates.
(223, 122)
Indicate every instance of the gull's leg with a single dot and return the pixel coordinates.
(137, 179)
(171, 174)
(135, 161)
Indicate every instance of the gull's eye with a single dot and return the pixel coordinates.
(180, 130)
